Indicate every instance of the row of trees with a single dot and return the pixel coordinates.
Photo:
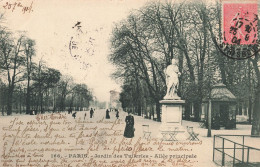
(144, 43)
(26, 85)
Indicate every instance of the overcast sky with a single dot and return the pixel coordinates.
(50, 25)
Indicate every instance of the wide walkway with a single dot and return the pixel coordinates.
(204, 151)
(199, 153)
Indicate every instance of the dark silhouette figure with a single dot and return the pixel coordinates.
(74, 115)
(107, 114)
(129, 128)
(85, 116)
(70, 111)
(91, 113)
(117, 114)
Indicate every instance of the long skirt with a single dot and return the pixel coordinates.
(129, 131)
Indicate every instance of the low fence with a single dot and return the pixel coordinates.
(236, 150)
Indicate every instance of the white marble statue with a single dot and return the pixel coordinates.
(172, 73)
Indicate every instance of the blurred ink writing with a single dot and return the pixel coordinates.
(24, 7)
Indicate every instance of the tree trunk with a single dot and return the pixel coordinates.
(47, 100)
(63, 98)
(72, 100)
(249, 97)
(28, 98)
(3, 102)
(187, 110)
(139, 111)
(158, 111)
(20, 100)
(9, 101)
(256, 114)
(3, 108)
(197, 107)
(41, 102)
(37, 99)
(152, 106)
(179, 90)
(250, 109)
(54, 99)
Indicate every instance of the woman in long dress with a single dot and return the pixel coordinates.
(129, 128)
(107, 114)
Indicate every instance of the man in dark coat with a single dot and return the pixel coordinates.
(91, 113)
(70, 111)
(117, 114)
(129, 128)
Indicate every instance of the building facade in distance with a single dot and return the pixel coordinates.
(114, 100)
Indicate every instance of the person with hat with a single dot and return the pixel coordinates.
(129, 128)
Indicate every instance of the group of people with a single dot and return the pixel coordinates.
(129, 120)
(85, 115)
(108, 116)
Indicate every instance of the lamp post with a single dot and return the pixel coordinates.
(209, 109)
(209, 119)
(210, 105)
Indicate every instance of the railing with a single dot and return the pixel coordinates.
(234, 150)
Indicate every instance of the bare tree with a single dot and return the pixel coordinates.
(29, 52)
(11, 62)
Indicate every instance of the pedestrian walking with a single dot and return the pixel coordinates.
(117, 114)
(129, 128)
(74, 115)
(91, 113)
(85, 116)
(107, 114)
(70, 111)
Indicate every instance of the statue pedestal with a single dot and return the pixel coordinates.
(172, 116)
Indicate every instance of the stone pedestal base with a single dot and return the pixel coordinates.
(171, 113)
(172, 117)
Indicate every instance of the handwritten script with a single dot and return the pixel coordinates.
(22, 5)
(60, 140)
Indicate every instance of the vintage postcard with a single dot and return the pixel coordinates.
(129, 83)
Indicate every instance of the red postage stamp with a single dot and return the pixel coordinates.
(239, 22)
